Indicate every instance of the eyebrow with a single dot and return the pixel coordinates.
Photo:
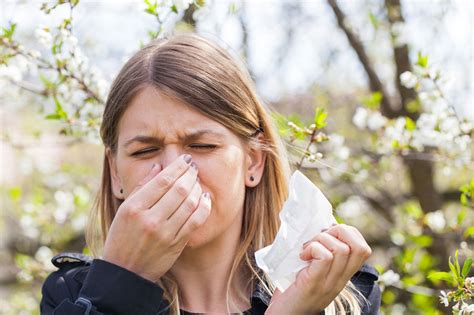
(188, 137)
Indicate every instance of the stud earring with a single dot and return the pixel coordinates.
(252, 178)
(121, 190)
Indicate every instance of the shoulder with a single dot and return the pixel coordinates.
(69, 266)
(66, 282)
(100, 285)
(68, 259)
(365, 281)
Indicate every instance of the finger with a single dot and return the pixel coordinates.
(360, 250)
(197, 218)
(187, 207)
(315, 250)
(176, 195)
(341, 253)
(146, 196)
(321, 261)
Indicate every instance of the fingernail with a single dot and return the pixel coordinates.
(324, 230)
(194, 165)
(187, 158)
(305, 243)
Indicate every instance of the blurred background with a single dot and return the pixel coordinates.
(374, 100)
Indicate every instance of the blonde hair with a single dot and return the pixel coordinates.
(203, 75)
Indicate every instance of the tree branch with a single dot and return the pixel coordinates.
(375, 83)
(401, 58)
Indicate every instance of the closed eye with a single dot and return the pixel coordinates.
(199, 146)
(142, 152)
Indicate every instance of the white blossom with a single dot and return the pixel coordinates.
(408, 79)
(444, 298)
(466, 309)
(10, 72)
(389, 278)
(397, 238)
(35, 53)
(65, 201)
(201, 13)
(342, 153)
(436, 221)
(466, 126)
(353, 207)
(399, 33)
(29, 226)
(44, 255)
(79, 223)
(182, 5)
(360, 118)
(376, 121)
(44, 36)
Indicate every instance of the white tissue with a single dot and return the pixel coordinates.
(304, 214)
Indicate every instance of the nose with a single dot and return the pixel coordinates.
(169, 154)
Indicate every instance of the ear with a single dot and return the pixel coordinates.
(255, 163)
(114, 178)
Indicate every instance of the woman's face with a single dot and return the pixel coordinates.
(167, 129)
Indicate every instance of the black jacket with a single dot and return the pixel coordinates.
(83, 285)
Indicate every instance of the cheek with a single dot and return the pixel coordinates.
(131, 173)
(224, 170)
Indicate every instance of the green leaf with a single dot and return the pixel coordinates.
(440, 275)
(395, 144)
(423, 240)
(21, 260)
(451, 266)
(233, 8)
(388, 297)
(413, 106)
(8, 32)
(422, 60)
(320, 116)
(469, 232)
(414, 210)
(373, 100)
(463, 199)
(466, 267)
(373, 20)
(53, 117)
(410, 124)
(282, 123)
(456, 263)
(152, 34)
(151, 9)
(59, 109)
(15, 193)
(174, 8)
(461, 216)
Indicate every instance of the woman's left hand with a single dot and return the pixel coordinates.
(336, 255)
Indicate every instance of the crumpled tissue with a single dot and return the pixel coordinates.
(305, 213)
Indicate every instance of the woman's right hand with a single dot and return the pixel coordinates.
(153, 224)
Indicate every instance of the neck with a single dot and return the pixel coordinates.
(202, 275)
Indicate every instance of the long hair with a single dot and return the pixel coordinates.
(205, 76)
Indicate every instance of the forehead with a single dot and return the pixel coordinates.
(152, 112)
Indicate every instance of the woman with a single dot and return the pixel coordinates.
(193, 180)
